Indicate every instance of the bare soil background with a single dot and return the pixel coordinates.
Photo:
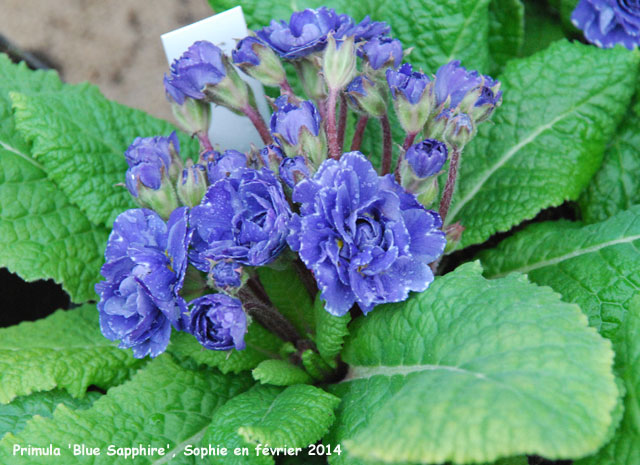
(114, 44)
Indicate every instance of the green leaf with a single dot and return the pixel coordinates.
(261, 345)
(162, 405)
(598, 267)
(14, 416)
(42, 235)
(280, 373)
(564, 9)
(506, 32)
(293, 417)
(80, 137)
(439, 31)
(541, 27)
(64, 350)
(330, 331)
(289, 296)
(473, 370)
(616, 186)
(560, 108)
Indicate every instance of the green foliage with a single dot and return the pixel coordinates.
(564, 8)
(560, 108)
(506, 32)
(42, 235)
(541, 28)
(474, 370)
(280, 373)
(261, 345)
(163, 404)
(79, 137)
(616, 186)
(289, 296)
(14, 416)
(439, 31)
(598, 267)
(330, 331)
(64, 350)
(293, 417)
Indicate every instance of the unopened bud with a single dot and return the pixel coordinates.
(339, 62)
(259, 61)
(193, 184)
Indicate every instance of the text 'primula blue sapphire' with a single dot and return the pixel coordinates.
(146, 261)
(365, 239)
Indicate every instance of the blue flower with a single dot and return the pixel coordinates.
(201, 65)
(427, 158)
(305, 33)
(609, 22)
(221, 165)
(227, 274)
(243, 217)
(409, 83)
(293, 170)
(455, 82)
(217, 321)
(149, 159)
(364, 30)
(146, 261)
(383, 51)
(289, 120)
(365, 239)
(245, 53)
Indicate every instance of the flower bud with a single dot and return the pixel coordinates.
(413, 97)
(193, 185)
(459, 131)
(365, 96)
(271, 156)
(226, 274)
(222, 165)
(194, 116)
(308, 70)
(490, 98)
(258, 61)
(419, 169)
(382, 52)
(339, 62)
(293, 170)
(297, 129)
(151, 160)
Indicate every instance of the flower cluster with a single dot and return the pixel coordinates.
(607, 23)
(360, 234)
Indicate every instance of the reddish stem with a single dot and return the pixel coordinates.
(332, 131)
(203, 137)
(257, 121)
(387, 150)
(342, 120)
(450, 186)
(285, 88)
(357, 136)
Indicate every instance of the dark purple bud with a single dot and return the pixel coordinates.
(217, 321)
(227, 274)
(271, 156)
(293, 170)
(427, 158)
(201, 65)
(382, 52)
(411, 84)
(289, 120)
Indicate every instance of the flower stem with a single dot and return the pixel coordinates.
(205, 143)
(387, 149)
(408, 141)
(285, 88)
(257, 121)
(357, 136)
(450, 186)
(332, 131)
(342, 120)
(306, 277)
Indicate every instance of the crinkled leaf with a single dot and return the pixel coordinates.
(80, 137)
(616, 186)
(506, 32)
(439, 31)
(473, 370)
(64, 350)
(560, 108)
(42, 235)
(293, 417)
(598, 267)
(14, 416)
(261, 345)
(280, 373)
(289, 296)
(330, 331)
(162, 404)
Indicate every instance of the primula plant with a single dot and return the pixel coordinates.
(433, 257)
